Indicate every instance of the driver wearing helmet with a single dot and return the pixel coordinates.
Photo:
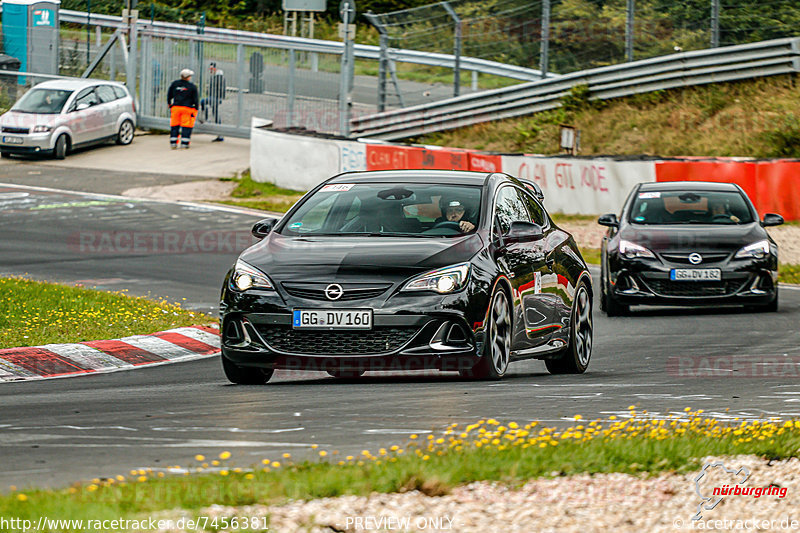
(455, 211)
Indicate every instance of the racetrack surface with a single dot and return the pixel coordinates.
(57, 431)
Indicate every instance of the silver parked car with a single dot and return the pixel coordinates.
(59, 115)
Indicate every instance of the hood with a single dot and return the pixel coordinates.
(26, 120)
(331, 259)
(694, 237)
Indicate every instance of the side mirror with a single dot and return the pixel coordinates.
(523, 231)
(771, 219)
(82, 106)
(262, 228)
(609, 220)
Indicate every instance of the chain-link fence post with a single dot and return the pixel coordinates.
(456, 48)
(629, 31)
(714, 23)
(347, 10)
(383, 59)
(544, 47)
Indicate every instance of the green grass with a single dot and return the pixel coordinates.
(33, 313)
(561, 218)
(510, 453)
(789, 274)
(591, 255)
(263, 196)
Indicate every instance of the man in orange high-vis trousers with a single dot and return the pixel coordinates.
(182, 100)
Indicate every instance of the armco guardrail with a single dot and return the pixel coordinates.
(765, 58)
(363, 51)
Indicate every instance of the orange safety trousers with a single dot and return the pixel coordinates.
(182, 116)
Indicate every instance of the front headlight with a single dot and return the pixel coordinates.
(444, 280)
(631, 250)
(41, 128)
(757, 250)
(246, 277)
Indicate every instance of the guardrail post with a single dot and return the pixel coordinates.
(629, 31)
(544, 47)
(714, 23)
(456, 48)
(290, 90)
(240, 83)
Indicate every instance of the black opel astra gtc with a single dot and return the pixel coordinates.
(408, 270)
(688, 243)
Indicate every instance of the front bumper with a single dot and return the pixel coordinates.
(32, 143)
(408, 333)
(743, 283)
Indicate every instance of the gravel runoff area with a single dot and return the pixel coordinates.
(589, 234)
(601, 502)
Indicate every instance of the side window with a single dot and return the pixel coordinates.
(105, 93)
(508, 208)
(119, 91)
(316, 216)
(535, 210)
(86, 96)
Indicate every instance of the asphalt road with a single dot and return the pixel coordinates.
(57, 431)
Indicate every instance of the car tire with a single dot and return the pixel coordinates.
(575, 358)
(125, 133)
(346, 374)
(609, 304)
(61, 147)
(242, 375)
(5, 155)
(497, 343)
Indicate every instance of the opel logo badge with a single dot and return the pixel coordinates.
(695, 258)
(334, 291)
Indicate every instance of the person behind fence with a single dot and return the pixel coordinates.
(216, 94)
(182, 99)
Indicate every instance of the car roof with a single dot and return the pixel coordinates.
(688, 186)
(457, 177)
(72, 84)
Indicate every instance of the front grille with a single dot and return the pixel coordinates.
(319, 342)
(694, 289)
(18, 131)
(683, 258)
(351, 291)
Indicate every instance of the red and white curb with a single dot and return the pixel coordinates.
(60, 360)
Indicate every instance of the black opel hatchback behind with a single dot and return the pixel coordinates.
(688, 243)
(407, 270)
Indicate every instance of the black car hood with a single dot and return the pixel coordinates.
(693, 237)
(356, 258)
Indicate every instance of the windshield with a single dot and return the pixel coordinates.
(46, 101)
(690, 207)
(387, 209)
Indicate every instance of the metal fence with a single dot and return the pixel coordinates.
(566, 36)
(767, 58)
(293, 88)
